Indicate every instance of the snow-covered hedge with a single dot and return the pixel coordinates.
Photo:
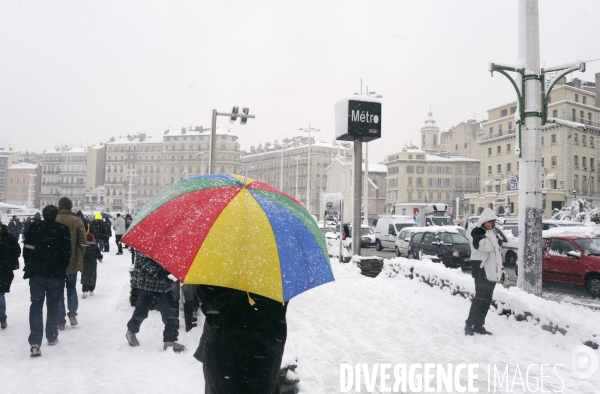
(512, 302)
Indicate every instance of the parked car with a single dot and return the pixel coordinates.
(548, 224)
(403, 239)
(388, 228)
(572, 258)
(440, 244)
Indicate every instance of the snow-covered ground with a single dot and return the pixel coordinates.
(353, 320)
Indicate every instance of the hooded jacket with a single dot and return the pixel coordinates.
(119, 225)
(485, 247)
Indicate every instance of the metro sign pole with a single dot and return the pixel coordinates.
(357, 119)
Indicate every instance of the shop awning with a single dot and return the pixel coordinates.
(496, 183)
(551, 177)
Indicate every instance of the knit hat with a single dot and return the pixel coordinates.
(90, 238)
(65, 203)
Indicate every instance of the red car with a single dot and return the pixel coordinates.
(572, 259)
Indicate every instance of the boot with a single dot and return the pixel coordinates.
(4, 325)
(177, 347)
(188, 314)
(132, 339)
(469, 331)
(481, 330)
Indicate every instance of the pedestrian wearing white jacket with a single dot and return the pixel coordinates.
(486, 261)
(119, 227)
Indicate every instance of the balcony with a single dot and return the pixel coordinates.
(496, 135)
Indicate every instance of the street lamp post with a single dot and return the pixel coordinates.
(532, 99)
(201, 154)
(308, 130)
(131, 192)
(30, 193)
(213, 132)
(297, 158)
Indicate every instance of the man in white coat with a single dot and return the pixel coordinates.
(119, 227)
(486, 261)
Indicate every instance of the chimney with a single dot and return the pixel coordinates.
(142, 137)
(183, 130)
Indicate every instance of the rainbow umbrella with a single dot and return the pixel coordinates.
(225, 230)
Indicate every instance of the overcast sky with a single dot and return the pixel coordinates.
(79, 72)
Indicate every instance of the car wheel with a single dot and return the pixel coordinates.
(511, 259)
(378, 245)
(592, 284)
(398, 254)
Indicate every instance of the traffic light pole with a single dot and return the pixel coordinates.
(213, 134)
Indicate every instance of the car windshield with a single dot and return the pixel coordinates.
(400, 226)
(442, 221)
(366, 231)
(452, 238)
(590, 246)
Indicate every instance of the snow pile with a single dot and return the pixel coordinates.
(519, 305)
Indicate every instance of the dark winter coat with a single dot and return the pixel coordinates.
(149, 275)
(90, 264)
(14, 227)
(98, 229)
(244, 343)
(78, 239)
(9, 258)
(47, 251)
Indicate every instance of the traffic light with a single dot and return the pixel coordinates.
(246, 111)
(234, 111)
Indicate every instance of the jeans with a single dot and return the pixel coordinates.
(118, 242)
(2, 308)
(39, 288)
(168, 311)
(100, 243)
(72, 302)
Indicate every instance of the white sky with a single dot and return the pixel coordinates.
(82, 71)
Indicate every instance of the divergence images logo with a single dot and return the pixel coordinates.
(585, 362)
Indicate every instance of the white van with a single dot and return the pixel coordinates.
(388, 228)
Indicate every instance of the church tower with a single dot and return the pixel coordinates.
(430, 135)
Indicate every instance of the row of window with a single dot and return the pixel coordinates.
(442, 169)
(436, 182)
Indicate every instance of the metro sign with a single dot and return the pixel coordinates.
(358, 117)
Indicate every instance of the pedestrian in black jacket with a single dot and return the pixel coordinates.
(242, 345)
(98, 230)
(14, 227)
(47, 254)
(90, 264)
(9, 261)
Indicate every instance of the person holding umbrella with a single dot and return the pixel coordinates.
(249, 248)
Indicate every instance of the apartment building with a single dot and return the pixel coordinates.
(266, 163)
(569, 155)
(7, 158)
(416, 176)
(340, 180)
(70, 171)
(139, 166)
(23, 183)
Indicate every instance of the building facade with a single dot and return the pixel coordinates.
(340, 180)
(69, 172)
(461, 140)
(23, 183)
(569, 155)
(416, 176)
(7, 158)
(139, 166)
(291, 156)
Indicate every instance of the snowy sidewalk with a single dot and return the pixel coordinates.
(353, 320)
